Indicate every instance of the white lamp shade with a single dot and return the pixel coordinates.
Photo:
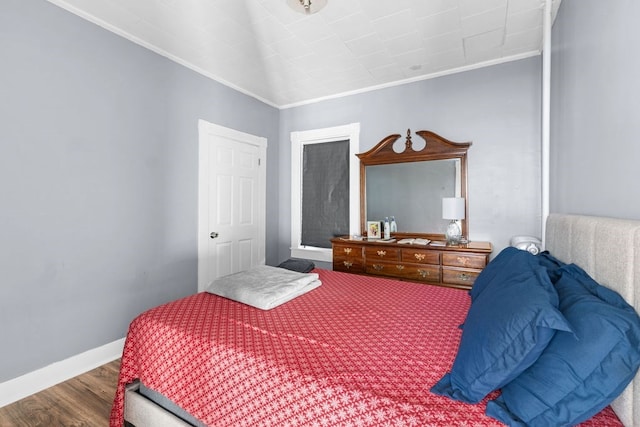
(453, 208)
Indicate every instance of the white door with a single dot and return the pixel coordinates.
(232, 188)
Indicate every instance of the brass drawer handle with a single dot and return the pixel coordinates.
(382, 253)
(420, 257)
(464, 277)
(347, 250)
(424, 273)
(378, 267)
(348, 264)
(400, 267)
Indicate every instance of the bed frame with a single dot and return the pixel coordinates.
(606, 248)
(142, 412)
(609, 250)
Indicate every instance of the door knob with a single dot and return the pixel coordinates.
(214, 234)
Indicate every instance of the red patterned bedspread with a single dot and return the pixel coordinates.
(357, 351)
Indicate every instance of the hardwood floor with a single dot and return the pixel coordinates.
(81, 401)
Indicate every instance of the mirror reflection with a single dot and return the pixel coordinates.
(412, 193)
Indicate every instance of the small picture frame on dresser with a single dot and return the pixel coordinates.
(374, 231)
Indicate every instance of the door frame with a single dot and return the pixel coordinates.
(204, 171)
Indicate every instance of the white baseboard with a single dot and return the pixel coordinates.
(38, 380)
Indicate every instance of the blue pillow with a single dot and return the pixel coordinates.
(512, 261)
(499, 268)
(552, 264)
(506, 329)
(577, 375)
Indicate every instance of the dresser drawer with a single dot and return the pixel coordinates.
(348, 265)
(421, 273)
(459, 276)
(464, 260)
(347, 252)
(420, 256)
(415, 272)
(381, 268)
(381, 254)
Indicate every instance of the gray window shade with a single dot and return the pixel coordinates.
(325, 192)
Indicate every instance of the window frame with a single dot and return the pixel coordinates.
(299, 139)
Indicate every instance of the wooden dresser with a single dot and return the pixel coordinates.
(451, 266)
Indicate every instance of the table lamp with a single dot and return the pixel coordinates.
(453, 210)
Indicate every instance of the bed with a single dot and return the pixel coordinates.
(357, 350)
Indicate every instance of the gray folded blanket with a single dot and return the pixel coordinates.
(264, 287)
(299, 265)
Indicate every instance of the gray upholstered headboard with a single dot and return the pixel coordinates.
(609, 250)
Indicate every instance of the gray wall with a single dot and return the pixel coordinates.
(98, 181)
(496, 108)
(595, 124)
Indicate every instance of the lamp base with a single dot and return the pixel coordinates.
(453, 234)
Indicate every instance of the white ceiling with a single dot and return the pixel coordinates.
(265, 49)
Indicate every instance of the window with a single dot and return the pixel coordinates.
(325, 186)
(325, 193)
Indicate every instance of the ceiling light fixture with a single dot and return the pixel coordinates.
(307, 6)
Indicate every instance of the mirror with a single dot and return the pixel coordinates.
(429, 180)
(410, 184)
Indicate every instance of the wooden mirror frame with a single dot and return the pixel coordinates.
(436, 148)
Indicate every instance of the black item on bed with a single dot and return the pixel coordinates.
(299, 265)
